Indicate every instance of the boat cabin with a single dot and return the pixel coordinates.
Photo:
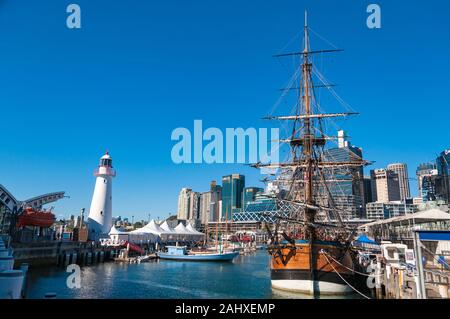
(177, 250)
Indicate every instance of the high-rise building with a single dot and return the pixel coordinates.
(205, 207)
(216, 198)
(194, 206)
(184, 203)
(232, 187)
(348, 190)
(188, 205)
(426, 179)
(443, 184)
(385, 186)
(367, 190)
(402, 172)
(249, 194)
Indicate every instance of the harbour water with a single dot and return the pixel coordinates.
(247, 277)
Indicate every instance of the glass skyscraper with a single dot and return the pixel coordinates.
(443, 167)
(216, 198)
(232, 188)
(347, 189)
(249, 194)
(426, 179)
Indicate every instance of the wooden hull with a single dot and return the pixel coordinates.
(309, 271)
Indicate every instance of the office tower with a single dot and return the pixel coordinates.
(249, 194)
(385, 186)
(205, 207)
(194, 206)
(443, 183)
(348, 190)
(367, 190)
(426, 179)
(232, 187)
(402, 171)
(216, 198)
(184, 203)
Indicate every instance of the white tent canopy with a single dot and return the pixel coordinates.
(168, 234)
(150, 228)
(181, 229)
(164, 226)
(119, 235)
(193, 230)
(169, 231)
(115, 231)
(153, 232)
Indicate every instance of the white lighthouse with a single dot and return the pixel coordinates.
(100, 214)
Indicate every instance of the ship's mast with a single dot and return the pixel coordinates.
(307, 134)
(307, 150)
(307, 167)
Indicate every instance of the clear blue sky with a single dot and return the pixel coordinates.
(138, 69)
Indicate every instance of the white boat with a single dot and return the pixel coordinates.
(11, 281)
(181, 253)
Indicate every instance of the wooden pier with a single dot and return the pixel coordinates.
(61, 254)
(400, 283)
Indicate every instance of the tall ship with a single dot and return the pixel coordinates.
(310, 243)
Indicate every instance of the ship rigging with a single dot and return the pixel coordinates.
(308, 220)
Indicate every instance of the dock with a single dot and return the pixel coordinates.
(399, 282)
(60, 253)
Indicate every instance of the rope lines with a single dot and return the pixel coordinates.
(343, 279)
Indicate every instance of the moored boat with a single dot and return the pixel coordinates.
(11, 281)
(181, 253)
(296, 274)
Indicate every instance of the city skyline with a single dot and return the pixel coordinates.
(68, 96)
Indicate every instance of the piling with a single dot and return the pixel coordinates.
(24, 268)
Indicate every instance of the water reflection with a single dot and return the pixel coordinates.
(247, 277)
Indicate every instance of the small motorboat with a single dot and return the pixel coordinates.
(146, 258)
(181, 253)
